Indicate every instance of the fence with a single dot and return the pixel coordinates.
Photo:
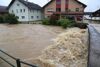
(88, 47)
(18, 61)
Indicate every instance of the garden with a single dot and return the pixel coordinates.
(63, 22)
(9, 18)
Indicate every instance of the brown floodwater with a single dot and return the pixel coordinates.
(25, 41)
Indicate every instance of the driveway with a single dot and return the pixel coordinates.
(25, 41)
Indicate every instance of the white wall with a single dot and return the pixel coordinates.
(34, 13)
(14, 7)
(28, 13)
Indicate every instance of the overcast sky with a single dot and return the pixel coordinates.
(92, 5)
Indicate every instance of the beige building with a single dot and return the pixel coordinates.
(73, 9)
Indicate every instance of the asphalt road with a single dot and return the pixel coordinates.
(94, 57)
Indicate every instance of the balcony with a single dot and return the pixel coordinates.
(70, 13)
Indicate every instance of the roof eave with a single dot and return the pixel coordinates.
(82, 3)
(47, 4)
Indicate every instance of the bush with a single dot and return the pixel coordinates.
(81, 25)
(1, 19)
(53, 20)
(72, 23)
(11, 19)
(66, 23)
(45, 21)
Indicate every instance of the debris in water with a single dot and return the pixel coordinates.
(70, 49)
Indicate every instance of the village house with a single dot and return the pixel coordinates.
(29, 12)
(65, 8)
(94, 17)
(25, 11)
(96, 14)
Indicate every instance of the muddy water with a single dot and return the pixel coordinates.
(25, 41)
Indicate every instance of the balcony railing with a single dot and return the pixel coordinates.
(70, 12)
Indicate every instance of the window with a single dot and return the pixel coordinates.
(58, 1)
(17, 4)
(77, 9)
(12, 11)
(58, 9)
(69, 10)
(32, 17)
(58, 5)
(66, 5)
(66, 2)
(21, 10)
(66, 9)
(24, 10)
(37, 17)
(50, 9)
(23, 17)
(79, 18)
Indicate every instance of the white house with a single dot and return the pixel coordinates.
(25, 11)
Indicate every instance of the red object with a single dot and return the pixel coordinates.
(66, 4)
(58, 6)
(79, 18)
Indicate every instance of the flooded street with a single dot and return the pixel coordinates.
(94, 57)
(25, 41)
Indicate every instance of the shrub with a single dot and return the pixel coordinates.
(66, 23)
(45, 21)
(72, 23)
(53, 20)
(11, 19)
(81, 25)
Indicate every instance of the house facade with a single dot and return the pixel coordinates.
(65, 8)
(25, 11)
